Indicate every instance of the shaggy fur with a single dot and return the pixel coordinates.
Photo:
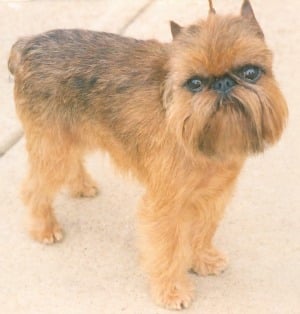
(79, 90)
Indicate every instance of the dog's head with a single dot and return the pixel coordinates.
(220, 96)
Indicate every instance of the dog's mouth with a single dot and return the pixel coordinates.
(231, 129)
(229, 102)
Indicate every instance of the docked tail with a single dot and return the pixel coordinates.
(16, 54)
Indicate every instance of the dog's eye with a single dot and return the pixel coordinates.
(195, 84)
(250, 73)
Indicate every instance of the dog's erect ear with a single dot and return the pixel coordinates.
(175, 29)
(248, 13)
(211, 7)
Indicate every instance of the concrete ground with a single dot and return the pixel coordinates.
(95, 269)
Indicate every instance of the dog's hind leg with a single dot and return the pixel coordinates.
(80, 182)
(50, 159)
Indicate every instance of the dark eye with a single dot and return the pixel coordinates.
(250, 73)
(195, 84)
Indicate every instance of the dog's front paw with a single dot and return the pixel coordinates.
(173, 296)
(45, 231)
(209, 261)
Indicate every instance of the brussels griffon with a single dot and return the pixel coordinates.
(181, 117)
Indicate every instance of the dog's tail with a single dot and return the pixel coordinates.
(16, 54)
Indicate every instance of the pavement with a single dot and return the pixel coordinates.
(95, 269)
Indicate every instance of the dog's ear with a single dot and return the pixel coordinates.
(211, 7)
(248, 13)
(175, 29)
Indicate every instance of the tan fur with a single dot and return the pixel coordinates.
(77, 91)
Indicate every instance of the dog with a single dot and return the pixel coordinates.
(182, 117)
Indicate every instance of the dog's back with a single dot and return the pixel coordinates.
(85, 90)
(76, 74)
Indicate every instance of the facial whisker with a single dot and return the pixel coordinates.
(184, 124)
(257, 128)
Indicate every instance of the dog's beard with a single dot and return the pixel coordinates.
(243, 122)
(231, 129)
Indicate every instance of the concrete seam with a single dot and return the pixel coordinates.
(134, 17)
(12, 142)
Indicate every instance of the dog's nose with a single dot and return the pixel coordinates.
(223, 84)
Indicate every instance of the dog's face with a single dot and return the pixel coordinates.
(220, 96)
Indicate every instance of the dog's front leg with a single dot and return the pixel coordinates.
(207, 260)
(164, 234)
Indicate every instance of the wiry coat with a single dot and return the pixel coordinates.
(78, 90)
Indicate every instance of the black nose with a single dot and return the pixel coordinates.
(223, 84)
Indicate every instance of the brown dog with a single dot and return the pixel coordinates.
(182, 117)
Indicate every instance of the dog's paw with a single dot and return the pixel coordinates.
(86, 190)
(209, 262)
(176, 296)
(45, 231)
